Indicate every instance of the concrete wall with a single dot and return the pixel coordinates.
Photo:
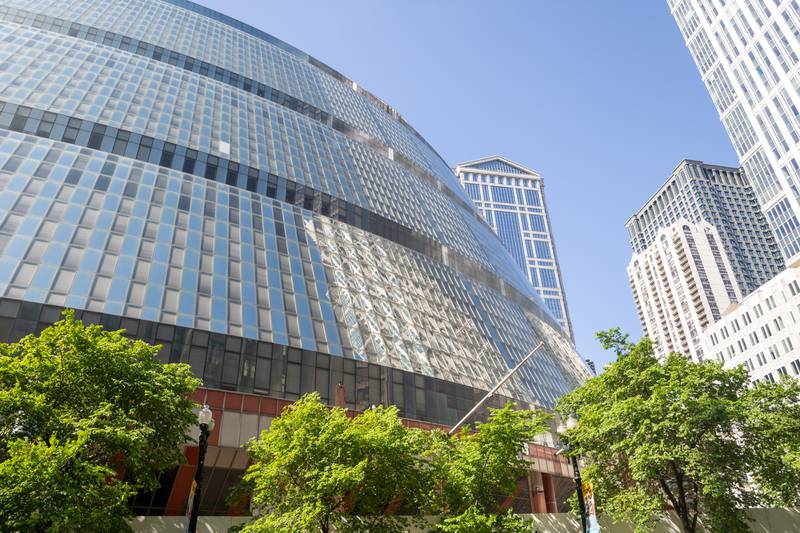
(764, 521)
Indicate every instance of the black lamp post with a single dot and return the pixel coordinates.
(572, 423)
(206, 421)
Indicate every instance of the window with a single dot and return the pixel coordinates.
(534, 277)
(773, 352)
(787, 345)
(473, 190)
(548, 277)
(554, 306)
(537, 223)
(509, 233)
(503, 195)
(794, 288)
(532, 197)
(542, 249)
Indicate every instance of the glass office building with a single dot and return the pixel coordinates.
(205, 186)
(510, 197)
(747, 53)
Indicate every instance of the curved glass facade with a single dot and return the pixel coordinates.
(169, 170)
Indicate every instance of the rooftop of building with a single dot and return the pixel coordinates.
(502, 166)
(678, 168)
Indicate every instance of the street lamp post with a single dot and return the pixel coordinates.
(206, 421)
(572, 423)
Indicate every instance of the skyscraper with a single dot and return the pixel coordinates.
(721, 196)
(747, 52)
(682, 282)
(511, 199)
(171, 171)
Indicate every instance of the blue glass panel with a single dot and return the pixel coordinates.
(548, 277)
(537, 222)
(509, 233)
(543, 249)
(502, 194)
(533, 197)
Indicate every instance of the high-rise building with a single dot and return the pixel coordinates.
(682, 282)
(762, 332)
(171, 171)
(722, 197)
(511, 199)
(748, 53)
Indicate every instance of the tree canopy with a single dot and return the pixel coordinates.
(482, 468)
(693, 437)
(87, 418)
(319, 469)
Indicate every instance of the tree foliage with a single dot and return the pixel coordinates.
(87, 418)
(679, 435)
(481, 468)
(318, 469)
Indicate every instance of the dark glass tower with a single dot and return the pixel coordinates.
(171, 171)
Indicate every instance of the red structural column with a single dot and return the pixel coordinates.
(176, 504)
(538, 502)
(549, 493)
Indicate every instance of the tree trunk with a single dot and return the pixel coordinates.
(686, 524)
(683, 506)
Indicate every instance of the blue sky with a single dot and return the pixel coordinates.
(601, 97)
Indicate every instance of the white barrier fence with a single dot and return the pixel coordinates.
(763, 521)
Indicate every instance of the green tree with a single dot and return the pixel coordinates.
(318, 469)
(679, 435)
(87, 418)
(481, 469)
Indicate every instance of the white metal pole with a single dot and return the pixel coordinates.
(488, 394)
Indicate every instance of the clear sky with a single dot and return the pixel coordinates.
(601, 97)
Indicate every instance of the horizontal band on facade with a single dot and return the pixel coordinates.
(239, 364)
(264, 36)
(244, 83)
(124, 143)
